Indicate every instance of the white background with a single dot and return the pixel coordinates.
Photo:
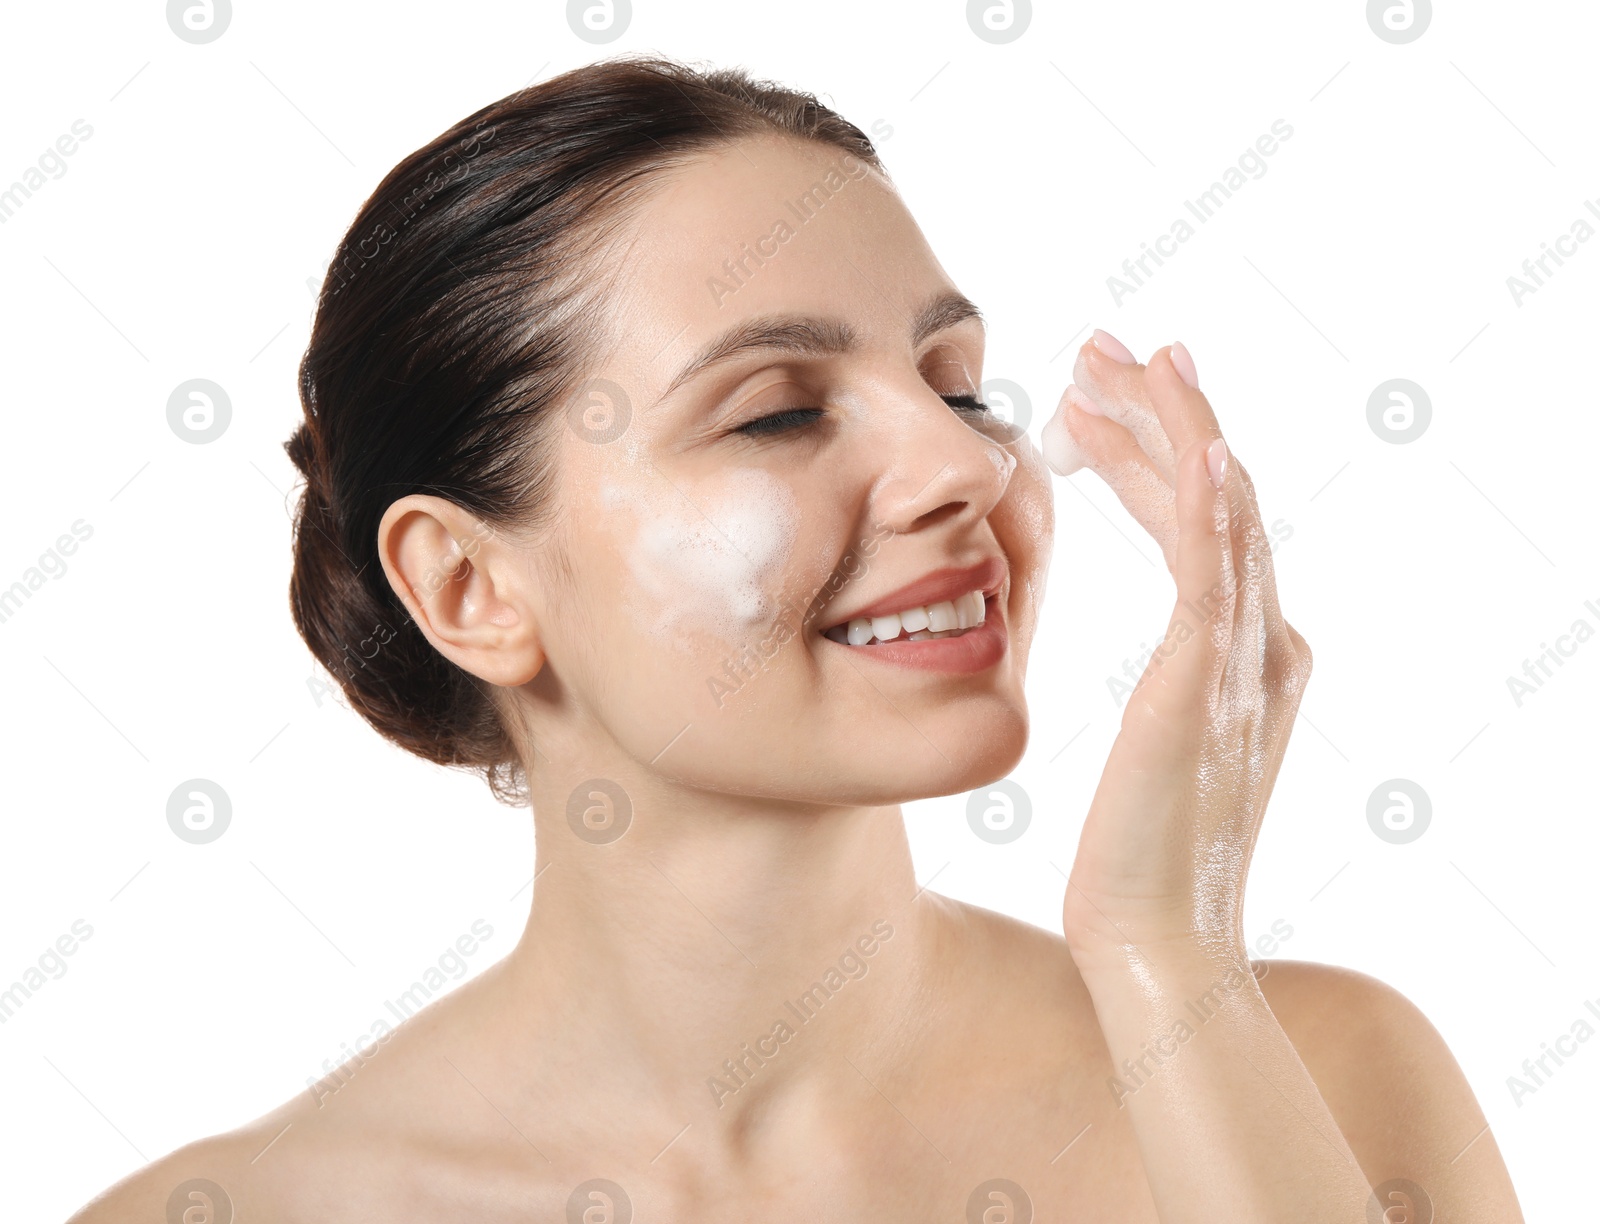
(219, 178)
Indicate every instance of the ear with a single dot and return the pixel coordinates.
(464, 586)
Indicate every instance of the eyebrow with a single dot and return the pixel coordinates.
(812, 335)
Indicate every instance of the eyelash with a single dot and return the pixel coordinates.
(795, 418)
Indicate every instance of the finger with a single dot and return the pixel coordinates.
(1296, 676)
(1253, 533)
(1079, 435)
(1268, 663)
(1253, 546)
(1186, 414)
(1191, 661)
(1183, 410)
(1118, 388)
(1060, 449)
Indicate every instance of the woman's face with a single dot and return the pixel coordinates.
(719, 516)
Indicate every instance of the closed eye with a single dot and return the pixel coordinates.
(968, 403)
(790, 419)
(780, 422)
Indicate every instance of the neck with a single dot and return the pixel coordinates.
(719, 958)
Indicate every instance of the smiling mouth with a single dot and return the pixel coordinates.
(948, 618)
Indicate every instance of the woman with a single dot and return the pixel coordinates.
(646, 473)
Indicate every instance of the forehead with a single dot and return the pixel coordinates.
(764, 226)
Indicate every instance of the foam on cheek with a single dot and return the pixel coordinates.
(711, 572)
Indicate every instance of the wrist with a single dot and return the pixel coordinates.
(1180, 956)
(1136, 986)
(1170, 957)
(1107, 936)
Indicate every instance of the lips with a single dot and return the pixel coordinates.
(936, 586)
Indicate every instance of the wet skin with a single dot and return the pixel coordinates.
(765, 837)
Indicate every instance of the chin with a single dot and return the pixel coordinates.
(982, 753)
(995, 753)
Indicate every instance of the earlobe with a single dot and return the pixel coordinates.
(455, 577)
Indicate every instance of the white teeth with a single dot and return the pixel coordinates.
(886, 628)
(944, 619)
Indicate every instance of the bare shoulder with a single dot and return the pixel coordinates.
(366, 1128)
(1375, 1048)
(204, 1180)
(996, 956)
(370, 1140)
(1393, 1086)
(1011, 946)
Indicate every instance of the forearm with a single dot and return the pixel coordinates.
(1229, 1123)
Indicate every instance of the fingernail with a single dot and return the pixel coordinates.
(1184, 364)
(1217, 462)
(1084, 403)
(1112, 347)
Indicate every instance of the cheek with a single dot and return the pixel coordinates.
(1026, 523)
(1030, 496)
(709, 561)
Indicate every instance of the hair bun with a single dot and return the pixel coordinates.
(305, 452)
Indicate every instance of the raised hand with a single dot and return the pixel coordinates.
(1229, 1120)
(1166, 846)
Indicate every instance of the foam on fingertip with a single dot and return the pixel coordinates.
(1061, 450)
(1137, 418)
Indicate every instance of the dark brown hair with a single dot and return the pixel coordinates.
(454, 320)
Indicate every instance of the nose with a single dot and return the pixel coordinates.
(936, 467)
